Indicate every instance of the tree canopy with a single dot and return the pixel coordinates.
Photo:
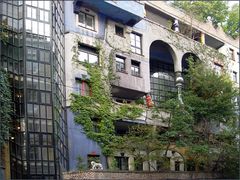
(205, 126)
(217, 11)
(231, 27)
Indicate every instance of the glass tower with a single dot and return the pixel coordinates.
(34, 57)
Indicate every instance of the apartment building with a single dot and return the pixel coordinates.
(34, 58)
(151, 42)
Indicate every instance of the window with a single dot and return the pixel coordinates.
(82, 88)
(232, 54)
(120, 64)
(119, 30)
(234, 76)
(217, 68)
(88, 54)
(135, 68)
(122, 162)
(86, 20)
(136, 43)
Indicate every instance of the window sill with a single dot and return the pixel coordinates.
(124, 72)
(137, 54)
(93, 30)
(139, 76)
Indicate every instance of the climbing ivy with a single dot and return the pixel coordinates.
(5, 107)
(98, 112)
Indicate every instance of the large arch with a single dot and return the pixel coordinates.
(162, 77)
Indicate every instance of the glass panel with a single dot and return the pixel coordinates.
(35, 68)
(37, 125)
(44, 151)
(28, 25)
(81, 18)
(49, 126)
(41, 15)
(34, 3)
(36, 110)
(29, 67)
(90, 22)
(39, 167)
(41, 69)
(34, 27)
(46, 17)
(29, 12)
(47, 5)
(42, 83)
(34, 54)
(47, 30)
(82, 56)
(93, 58)
(47, 70)
(30, 125)
(40, 4)
(43, 97)
(30, 109)
(41, 28)
(34, 13)
(50, 154)
(42, 111)
(43, 126)
(45, 168)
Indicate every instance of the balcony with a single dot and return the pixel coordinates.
(128, 13)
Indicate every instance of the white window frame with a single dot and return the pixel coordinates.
(87, 12)
(136, 45)
(135, 68)
(89, 53)
(120, 61)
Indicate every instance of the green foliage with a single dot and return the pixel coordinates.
(231, 27)
(208, 94)
(80, 164)
(217, 11)
(143, 143)
(3, 32)
(208, 101)
(5, 107)
(129, 111)
(97, 112)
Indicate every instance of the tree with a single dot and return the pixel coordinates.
(202, 10)
(143, 143)
(231, 27)
(208, 97)
(217, 11)
(205, 126)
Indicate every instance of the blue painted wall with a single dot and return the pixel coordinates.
(71, 26)
(79, 144)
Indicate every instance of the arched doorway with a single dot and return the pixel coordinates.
(162, 78)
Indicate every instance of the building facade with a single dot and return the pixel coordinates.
(151, 42)
(34, 57)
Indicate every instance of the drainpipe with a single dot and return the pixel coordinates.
(179, 85)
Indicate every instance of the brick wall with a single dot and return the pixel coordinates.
(126, 175)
